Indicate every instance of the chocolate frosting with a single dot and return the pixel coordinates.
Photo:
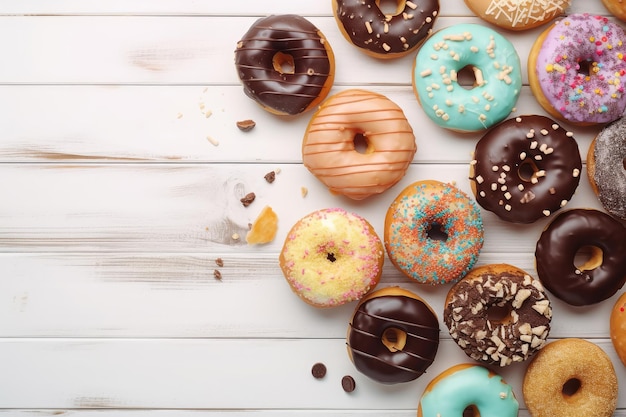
(373, 358)
(370, 29)
(288, 93)
(563, 238)
(526, 168)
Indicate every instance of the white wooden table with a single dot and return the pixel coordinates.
(114, 207)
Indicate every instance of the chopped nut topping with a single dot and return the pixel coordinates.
(246, 125)
(217, 274)
(270, 176)
(248, 199)
(219, 262)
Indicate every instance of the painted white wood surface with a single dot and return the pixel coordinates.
(114, 207)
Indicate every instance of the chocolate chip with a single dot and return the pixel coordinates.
(348, 384)
(270, 176)
(319, 370)
(248, 199)
(246, 125)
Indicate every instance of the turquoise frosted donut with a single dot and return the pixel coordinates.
(468, 386)
(497, 73)
(415, 214)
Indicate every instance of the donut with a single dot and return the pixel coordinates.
(285, 64)
(331, 257)
(517, 15)
(525, 168)
(498, 314)
(467, 47)
(433, 232)
(599, 277)
(467, 387)
(570, 377)
(393, 336)
(576, 70)
(347, 120)
(616, 7)
(618, 327)
(606, 167)
(385, 35)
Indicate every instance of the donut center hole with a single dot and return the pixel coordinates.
(391, 7)
(436, 231)
(331, 257)
(584, 67)
(499, 314)
(361, 144)
(469, 77)
(471, 411)
(571, 387)
(394, 339)
(283, 63)
(588, 258)
(527, 170)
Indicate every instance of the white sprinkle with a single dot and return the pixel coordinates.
(426, 73)
(538, 157)
(494, 186)
(213, 141)
(544, 132)
(411, 5)
(520, 187)
(506, 168)
(495, 168)
(569, 134)
(518, 119)
(563, 203)
(507, 195)
(533, 144)
(507, 207)
(546, 213)
(522, 155)
(482, 194)
(576, 172)
(480, 179)
(555, 126)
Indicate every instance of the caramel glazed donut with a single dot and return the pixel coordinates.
(570, 377)
(393, 336)
(525, 168)
(329, 145)
(285, 64)
(498, 340)
(382, 35)
(601, 276)
(606, 167)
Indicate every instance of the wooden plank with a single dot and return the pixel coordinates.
(208, 374)
(177, 296)
(193, 208)
(169, 124)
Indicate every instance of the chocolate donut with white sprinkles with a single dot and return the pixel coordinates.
(525, 168)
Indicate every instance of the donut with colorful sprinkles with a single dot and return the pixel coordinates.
(433, 232)
(577, 69)
(331, 257)
(482, 51)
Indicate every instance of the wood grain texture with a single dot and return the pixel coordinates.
(122, 169)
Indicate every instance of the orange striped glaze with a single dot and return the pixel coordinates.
(329, 151)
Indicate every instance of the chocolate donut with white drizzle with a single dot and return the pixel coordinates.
(525, 168)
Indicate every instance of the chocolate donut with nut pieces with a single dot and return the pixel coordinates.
(385, 35)
(525, 168)
(498, 314)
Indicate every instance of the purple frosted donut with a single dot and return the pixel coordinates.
(577, 69)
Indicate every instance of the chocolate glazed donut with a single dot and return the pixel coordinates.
(393, 336)
(605, 271)
(386, 35)
(525, 168)
(285, 64)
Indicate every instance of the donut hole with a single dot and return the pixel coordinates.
(584, 67)
(283, 63)
(394, 339)
(331, 257)
(527, 170)
(391, 7)
(571, 387)
(435, 231)
(499, 313)
(469, 77)
(471, 411)
(361, 144)
(588, 257)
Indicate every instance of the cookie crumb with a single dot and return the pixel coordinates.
(217, 274)
(219, 262)
(248, 199)
(235, 236)
(264, 227)
(270, 177)
(246, 125)
(304, 191)
(179, 116)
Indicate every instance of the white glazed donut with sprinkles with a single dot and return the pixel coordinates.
(525, 168)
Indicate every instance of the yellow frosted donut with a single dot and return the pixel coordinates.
(331, 257)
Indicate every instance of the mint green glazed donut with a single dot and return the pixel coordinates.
(467, 385)
(497, 73)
